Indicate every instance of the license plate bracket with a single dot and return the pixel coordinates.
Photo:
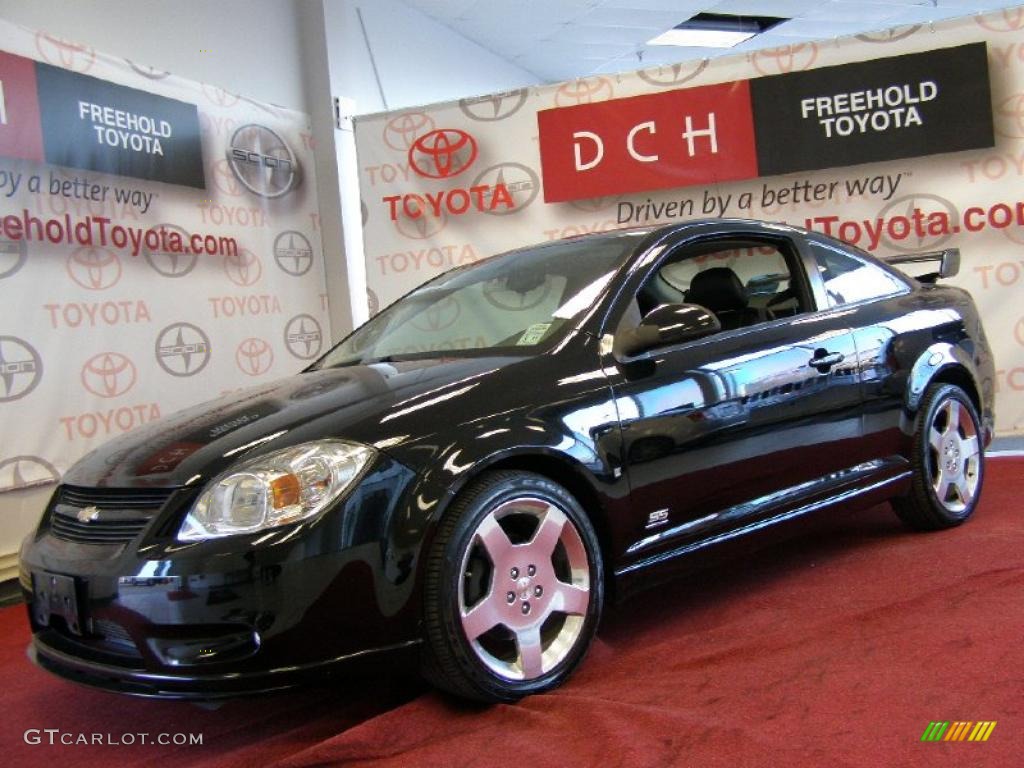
(56, 595)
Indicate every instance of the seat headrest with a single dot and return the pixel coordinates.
(719, 289)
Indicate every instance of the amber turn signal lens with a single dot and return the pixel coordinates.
(284, 491)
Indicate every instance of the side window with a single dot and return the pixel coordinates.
(847, 279)
(741, 282)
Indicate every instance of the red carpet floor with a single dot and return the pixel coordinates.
(836, 649)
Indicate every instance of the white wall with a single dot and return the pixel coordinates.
(419, 60)
(248, 47)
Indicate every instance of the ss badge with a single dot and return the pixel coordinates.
(656, 518)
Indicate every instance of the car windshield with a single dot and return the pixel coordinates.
(513, 303)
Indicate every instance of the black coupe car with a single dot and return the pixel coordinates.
(472, 472)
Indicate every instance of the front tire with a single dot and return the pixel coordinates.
(513, 589)
(948, 462)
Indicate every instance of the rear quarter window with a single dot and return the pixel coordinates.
(849, 280)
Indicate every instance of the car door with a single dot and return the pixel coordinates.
(731, 429)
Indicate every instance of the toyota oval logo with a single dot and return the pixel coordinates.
(672, 75)
(401, 131)
(64, 53)
(243, 267)
(108, 374)
(94, 269)
(443, 153)
(254, 356)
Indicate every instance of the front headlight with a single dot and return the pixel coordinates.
(282, 487)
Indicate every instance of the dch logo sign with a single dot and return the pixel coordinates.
(650, 127)
(656, 141)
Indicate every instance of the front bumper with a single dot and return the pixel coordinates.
(190, 686)
(157, 617)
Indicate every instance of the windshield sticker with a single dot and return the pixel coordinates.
(533, 334)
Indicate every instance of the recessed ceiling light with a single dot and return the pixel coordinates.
(715, 30)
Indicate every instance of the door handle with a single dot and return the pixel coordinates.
(823, 360)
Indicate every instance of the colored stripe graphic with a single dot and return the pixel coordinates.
(958, 730)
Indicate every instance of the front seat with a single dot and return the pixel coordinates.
(720, 290)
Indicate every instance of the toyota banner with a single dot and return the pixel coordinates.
(901, 141)
(159, 247)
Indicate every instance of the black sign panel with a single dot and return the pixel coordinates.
(902, 106)
(100, 126)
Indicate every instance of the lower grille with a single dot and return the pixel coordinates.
(115, 636)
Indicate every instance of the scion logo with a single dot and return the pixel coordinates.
(95, 269)
(293, 252)
(243, 268)
(672, 75)
(13, 254)
(889, 35)
(522, 184)
(146, 71)
(438, 316)
(586, 90)
(372, 301)
(443, 153)
(498, 294)
(254, 356)
(26, 471)
(401, 130)
(926, 204)
(1007, 20)
(303, 337)
(21, 368)
(1009, 116)
(262, 161)
(497, 106)
(108, 374)
(785, 58)
(224, 179)
(218, 97)
(64, 53)
(182, 349)
(170, 263)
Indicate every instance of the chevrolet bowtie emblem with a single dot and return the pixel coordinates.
(88, 514)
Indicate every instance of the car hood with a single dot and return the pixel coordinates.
(383, 404)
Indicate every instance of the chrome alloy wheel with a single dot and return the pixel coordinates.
(524, 588)
(954, 456)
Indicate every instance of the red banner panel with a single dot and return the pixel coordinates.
(20, 132)
(656, 141)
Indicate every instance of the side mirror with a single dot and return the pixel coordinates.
(665, 325)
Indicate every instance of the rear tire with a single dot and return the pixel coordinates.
(948, 462)
(513, 589)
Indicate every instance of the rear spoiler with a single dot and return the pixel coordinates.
(949, 263)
